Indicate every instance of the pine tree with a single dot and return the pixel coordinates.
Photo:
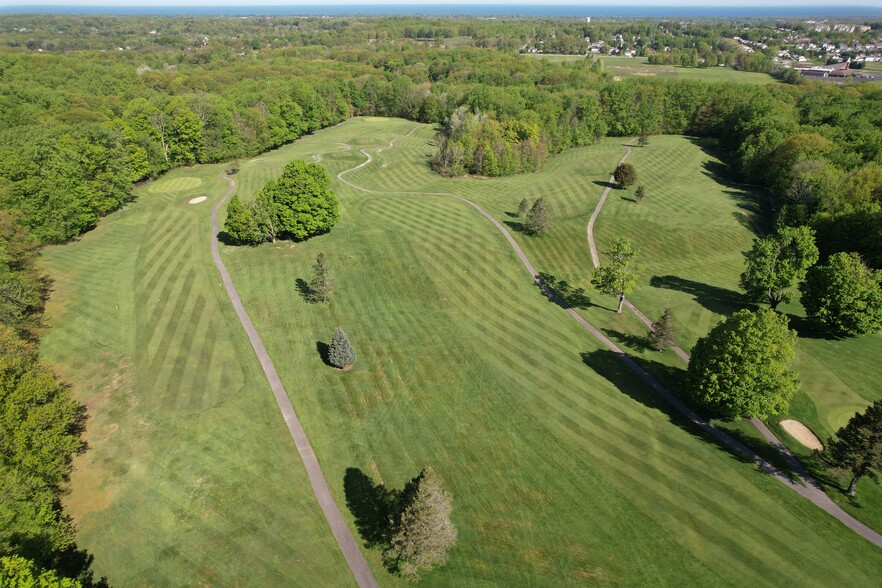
(537, 219)
(640, 194)
(422, 532)
(663, 335)
(340, 353)
(523, 208)
(858, 447)
(321, 286)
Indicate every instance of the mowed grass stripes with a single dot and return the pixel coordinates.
(564, 466)
(191, 477)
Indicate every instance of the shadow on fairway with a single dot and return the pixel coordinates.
(515, 226)
(371, 504)
(606, 184)
(323, 350)
(562, 293)
(713, 298)
(609, 365)
(636, 342)
(808, 329)
(304, 290)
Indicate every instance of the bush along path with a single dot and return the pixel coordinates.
(804, 485)
(341, 531)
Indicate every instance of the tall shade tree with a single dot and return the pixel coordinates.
(299, 204)
(422, 532)
(858, 445)
(776, 263)
(620, 276)
(340, 353)
(537, 219)
(321, 286)
(742, 367)
(844, 296)
(240, 225)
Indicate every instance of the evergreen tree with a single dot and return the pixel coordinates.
(422, 532)
(321, 286)
(625, 175)
(340, 353)
(618, 278)
(858, 447)
(640, 193)
(537, 219)
(523, 208)
(664, 334)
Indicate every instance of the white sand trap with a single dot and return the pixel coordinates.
(802, 434)
(198, 199)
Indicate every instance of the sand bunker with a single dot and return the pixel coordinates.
(198, 199)
(802, 434)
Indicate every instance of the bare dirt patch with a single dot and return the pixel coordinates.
(802, 434)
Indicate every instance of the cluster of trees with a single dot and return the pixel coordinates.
(298, 205)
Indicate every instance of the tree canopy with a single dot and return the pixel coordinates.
(625, 174)
(844, 296)
(858, 445)
(340, 352)
(777, 262)
(421, 530)
(538, 218)
(742, 367)
(621, 275)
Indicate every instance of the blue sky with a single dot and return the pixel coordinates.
(703, 3)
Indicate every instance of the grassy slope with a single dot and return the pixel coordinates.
(629, 67)
(191, 477)
(561, 471)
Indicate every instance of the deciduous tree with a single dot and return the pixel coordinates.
(241, 225)
(742, 367)
(858, 445)
(625, 175)
(777, 262)
(844, 296)
(620, 276)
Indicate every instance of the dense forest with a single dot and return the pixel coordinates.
(90, 106)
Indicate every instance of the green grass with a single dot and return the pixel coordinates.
(628, 67)
(562, 472)
(565, 468)
(191, 477)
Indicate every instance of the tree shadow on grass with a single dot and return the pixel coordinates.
(562, 293)
(611, 366)
(713, 298)
(606, 184)
(629, 199)
(517, 227)
(636, 342)
(807, 328)
(304, 290)
(371, 504)
(323, 350)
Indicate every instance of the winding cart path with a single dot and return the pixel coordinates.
(804, 484)
(341, 531)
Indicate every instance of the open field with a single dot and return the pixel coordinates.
(565, 469)
(629, 67)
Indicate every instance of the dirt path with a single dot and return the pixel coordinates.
(805, 485)
(341, 532)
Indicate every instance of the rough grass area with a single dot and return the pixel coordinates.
(628, 67)
(565, 468)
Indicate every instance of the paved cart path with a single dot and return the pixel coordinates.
(341, 531)
(804, 484)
